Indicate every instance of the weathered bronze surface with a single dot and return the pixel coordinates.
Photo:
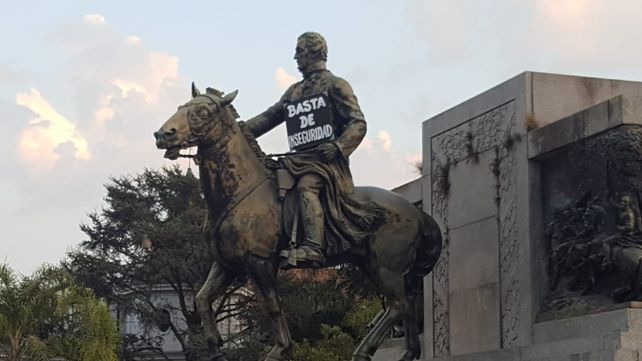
(323, 106)
(248, 233)
(595, 241)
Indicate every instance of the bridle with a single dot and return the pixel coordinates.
(200, 132)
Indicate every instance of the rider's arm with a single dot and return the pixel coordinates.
(269, 119)
(354, 129)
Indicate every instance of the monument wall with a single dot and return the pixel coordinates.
(493, 173)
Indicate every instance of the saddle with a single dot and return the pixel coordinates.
(285, 182)
(357, 218)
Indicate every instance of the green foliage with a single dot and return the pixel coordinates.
(355, 282)
(358, 319)
(334, 345)
(48, 315)
(326, 317)
(150, 233)
(165, 208)
(312, 298)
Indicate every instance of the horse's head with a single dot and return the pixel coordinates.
(195, 122)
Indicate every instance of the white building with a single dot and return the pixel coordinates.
(165, 298)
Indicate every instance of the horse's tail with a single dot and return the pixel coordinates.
(428, 252)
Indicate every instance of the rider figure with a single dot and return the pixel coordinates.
(325, 125)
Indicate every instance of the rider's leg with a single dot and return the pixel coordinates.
(313, 247)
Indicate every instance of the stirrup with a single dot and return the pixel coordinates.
(304, 256)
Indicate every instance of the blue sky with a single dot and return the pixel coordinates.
(83, 84)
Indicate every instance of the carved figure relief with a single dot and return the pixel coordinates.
(595, 240)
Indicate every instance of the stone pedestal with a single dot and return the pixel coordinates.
(607, 336)
(493, 171)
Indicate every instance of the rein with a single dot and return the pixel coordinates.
(208, 152)
(235, 203)
(197, 158)
(289, 154)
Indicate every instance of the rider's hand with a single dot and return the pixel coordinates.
(327, 151)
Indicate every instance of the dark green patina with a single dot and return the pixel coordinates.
(391, 240)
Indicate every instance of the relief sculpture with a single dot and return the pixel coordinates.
(595, 241)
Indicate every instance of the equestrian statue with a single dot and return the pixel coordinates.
(300, 210)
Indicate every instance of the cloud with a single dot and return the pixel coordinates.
(376, 162)
(12, 200)
(9, 76)
(283, 79)
(571, 36)
(386, 140)
(589, 33)
(121, 89)
(133, 40)
(446, 27)
(94, 19)
(47, 131)
(71, 132)
(128, 86)
(105, 112)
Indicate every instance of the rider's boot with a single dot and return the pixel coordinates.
(311, 252)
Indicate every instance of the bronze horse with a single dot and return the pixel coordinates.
(248, 232)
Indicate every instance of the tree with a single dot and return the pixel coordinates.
(150, 233)
(48, 315)
(327, 310)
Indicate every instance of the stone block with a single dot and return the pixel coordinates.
(474, 255)
(491, 286)
(413, 190)
(575, 127)
(391, 349)
(497, 355)
(631, 110)
(586, 326)
(627, 355)
(474, 320)
(564, 347)
(473, 189)
(607, 336)
(428, 336)
(586, 123)
(556, 96)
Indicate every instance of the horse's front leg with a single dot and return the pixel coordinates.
(263, 272)
(214, 287)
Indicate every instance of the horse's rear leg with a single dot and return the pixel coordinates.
(217, 281)
(392, 286)
(263, 272)
(411, 319)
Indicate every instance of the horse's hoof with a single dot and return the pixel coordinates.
(361, 357)
(219, 356)
(276, 358)
(410, 355)
(279, 354)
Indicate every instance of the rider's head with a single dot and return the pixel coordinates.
(311, 52)
(625, 200)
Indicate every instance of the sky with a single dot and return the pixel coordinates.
(84, 84)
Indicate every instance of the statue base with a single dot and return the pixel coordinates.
(606, 336)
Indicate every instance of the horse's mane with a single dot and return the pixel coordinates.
(268, 163)
(220, 94)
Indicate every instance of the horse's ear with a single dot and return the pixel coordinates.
(195, 91)
(228, 98)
